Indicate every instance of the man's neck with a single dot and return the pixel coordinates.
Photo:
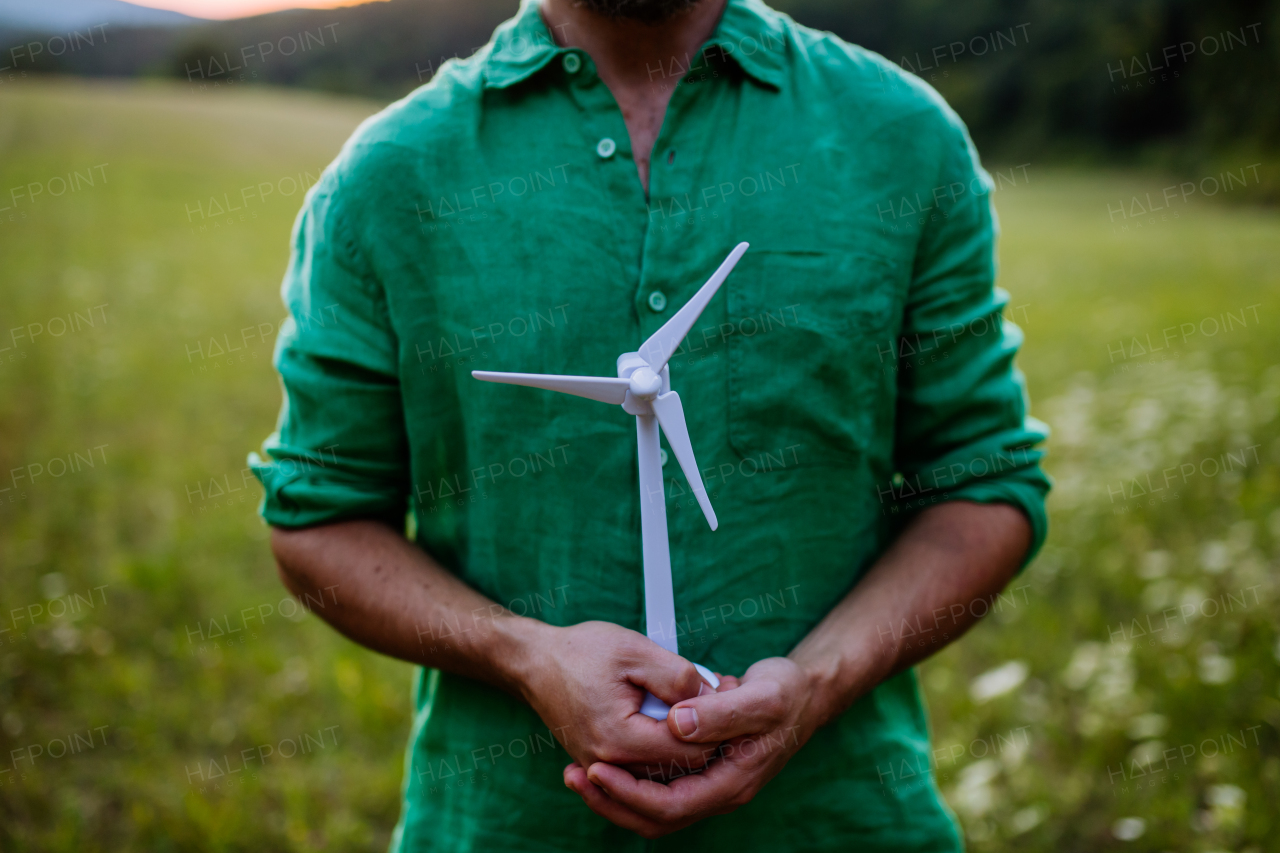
(631, 56)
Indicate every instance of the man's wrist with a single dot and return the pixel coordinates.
(835, 679)
(518, 651)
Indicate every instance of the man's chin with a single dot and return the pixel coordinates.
(644, 11)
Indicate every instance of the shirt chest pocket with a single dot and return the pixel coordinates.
(811, 365)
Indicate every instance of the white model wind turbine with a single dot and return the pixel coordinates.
(643, 389)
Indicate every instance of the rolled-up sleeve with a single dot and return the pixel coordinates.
(339, 450)
(963, 429)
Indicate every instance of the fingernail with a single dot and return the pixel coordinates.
(686, 721)
(703, 687)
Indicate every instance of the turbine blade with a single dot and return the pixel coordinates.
(606, 389)
(662, 344)
(671, 417)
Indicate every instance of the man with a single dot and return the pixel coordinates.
(545, 205)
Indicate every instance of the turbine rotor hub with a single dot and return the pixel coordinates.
(645, 384)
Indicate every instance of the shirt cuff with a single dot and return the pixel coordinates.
(1001, 468)
(1025, 494)
(299, 493)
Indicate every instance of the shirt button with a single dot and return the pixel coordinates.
(662, 456)
(571, 63)
(605, 147)
(657, 300)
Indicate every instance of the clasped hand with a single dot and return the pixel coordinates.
(714, 752)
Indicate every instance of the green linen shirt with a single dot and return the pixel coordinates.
(855, 368)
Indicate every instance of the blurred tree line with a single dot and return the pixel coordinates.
(1092, 77)
(1178, 82)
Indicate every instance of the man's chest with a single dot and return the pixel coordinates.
(539, 253)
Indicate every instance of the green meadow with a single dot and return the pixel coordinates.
(160, 691)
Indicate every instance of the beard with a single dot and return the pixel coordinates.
(645, 11)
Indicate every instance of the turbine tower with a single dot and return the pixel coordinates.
(643, 389)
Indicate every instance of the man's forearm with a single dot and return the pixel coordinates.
(395, 599)
(584, 681)
(906, 607)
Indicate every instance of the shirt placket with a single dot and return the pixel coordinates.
(662, 289)
(658, 291)
(604, 133)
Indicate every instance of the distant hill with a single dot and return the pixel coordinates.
(63, 16)
(381, 49)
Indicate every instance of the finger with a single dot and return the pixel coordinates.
(657, 771)
(648, 742)
(754, 707)
(598, 801)
(727, 682)
(667, 676)
(572, 771)
(679, 803)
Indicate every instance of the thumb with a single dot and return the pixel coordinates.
(751, 708)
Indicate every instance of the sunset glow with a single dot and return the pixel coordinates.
(223, 9)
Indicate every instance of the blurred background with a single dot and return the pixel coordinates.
(1123, 695)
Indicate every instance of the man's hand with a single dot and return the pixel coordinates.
(761, 720)
(587, 683)
(957, 553)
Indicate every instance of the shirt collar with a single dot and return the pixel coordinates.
(753, 35)
(749, 33)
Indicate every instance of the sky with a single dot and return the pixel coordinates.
(240, 8)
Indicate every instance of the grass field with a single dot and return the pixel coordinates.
(1124, 696)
